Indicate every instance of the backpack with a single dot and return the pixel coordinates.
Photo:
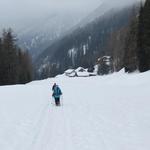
(57, 91)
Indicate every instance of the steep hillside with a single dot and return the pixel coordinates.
(42, 32)
(83, 46)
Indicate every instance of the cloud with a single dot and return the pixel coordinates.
(19, 12)
(44, 5)
(12, 11)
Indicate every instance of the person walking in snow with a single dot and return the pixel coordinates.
(56, 94)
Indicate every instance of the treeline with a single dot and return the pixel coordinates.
(137, 50)
(143, 41)
(15, 64)
(129, 46)
(122, 44)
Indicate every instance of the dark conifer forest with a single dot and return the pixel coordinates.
(144, 37)
(15, 64)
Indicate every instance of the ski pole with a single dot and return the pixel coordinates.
(62, 100)
(52, 102)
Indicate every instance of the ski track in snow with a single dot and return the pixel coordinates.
(108, 113)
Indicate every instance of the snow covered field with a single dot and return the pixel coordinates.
(98, 113)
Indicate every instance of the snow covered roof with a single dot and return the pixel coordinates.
(80, 69)
(69, 71)
(104, 58)
(79, 72)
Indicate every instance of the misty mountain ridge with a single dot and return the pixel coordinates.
(44, 30)
(105, 7)
(40, 34)
(84, 45)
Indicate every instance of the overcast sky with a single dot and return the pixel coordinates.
(14, 11)
(42, 6)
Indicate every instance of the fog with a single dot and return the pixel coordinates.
(18, 13)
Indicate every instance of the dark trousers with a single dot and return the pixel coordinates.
(57, 101)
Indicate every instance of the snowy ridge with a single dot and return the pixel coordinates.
(110, 113)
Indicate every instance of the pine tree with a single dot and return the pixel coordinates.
(130, 58)
(144, 37)
(1, 62)
(15, 65)
(9, 58)
(25, 67)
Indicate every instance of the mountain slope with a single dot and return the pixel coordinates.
(83, 46)
(43, 31)
(111, 113)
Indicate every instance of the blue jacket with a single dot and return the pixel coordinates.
(56, 92)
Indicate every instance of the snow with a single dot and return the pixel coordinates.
(98, 113)
(72, 54)
(83, 74)
(69, 71)
(79, 72)
(80, 69)
(84, 49)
